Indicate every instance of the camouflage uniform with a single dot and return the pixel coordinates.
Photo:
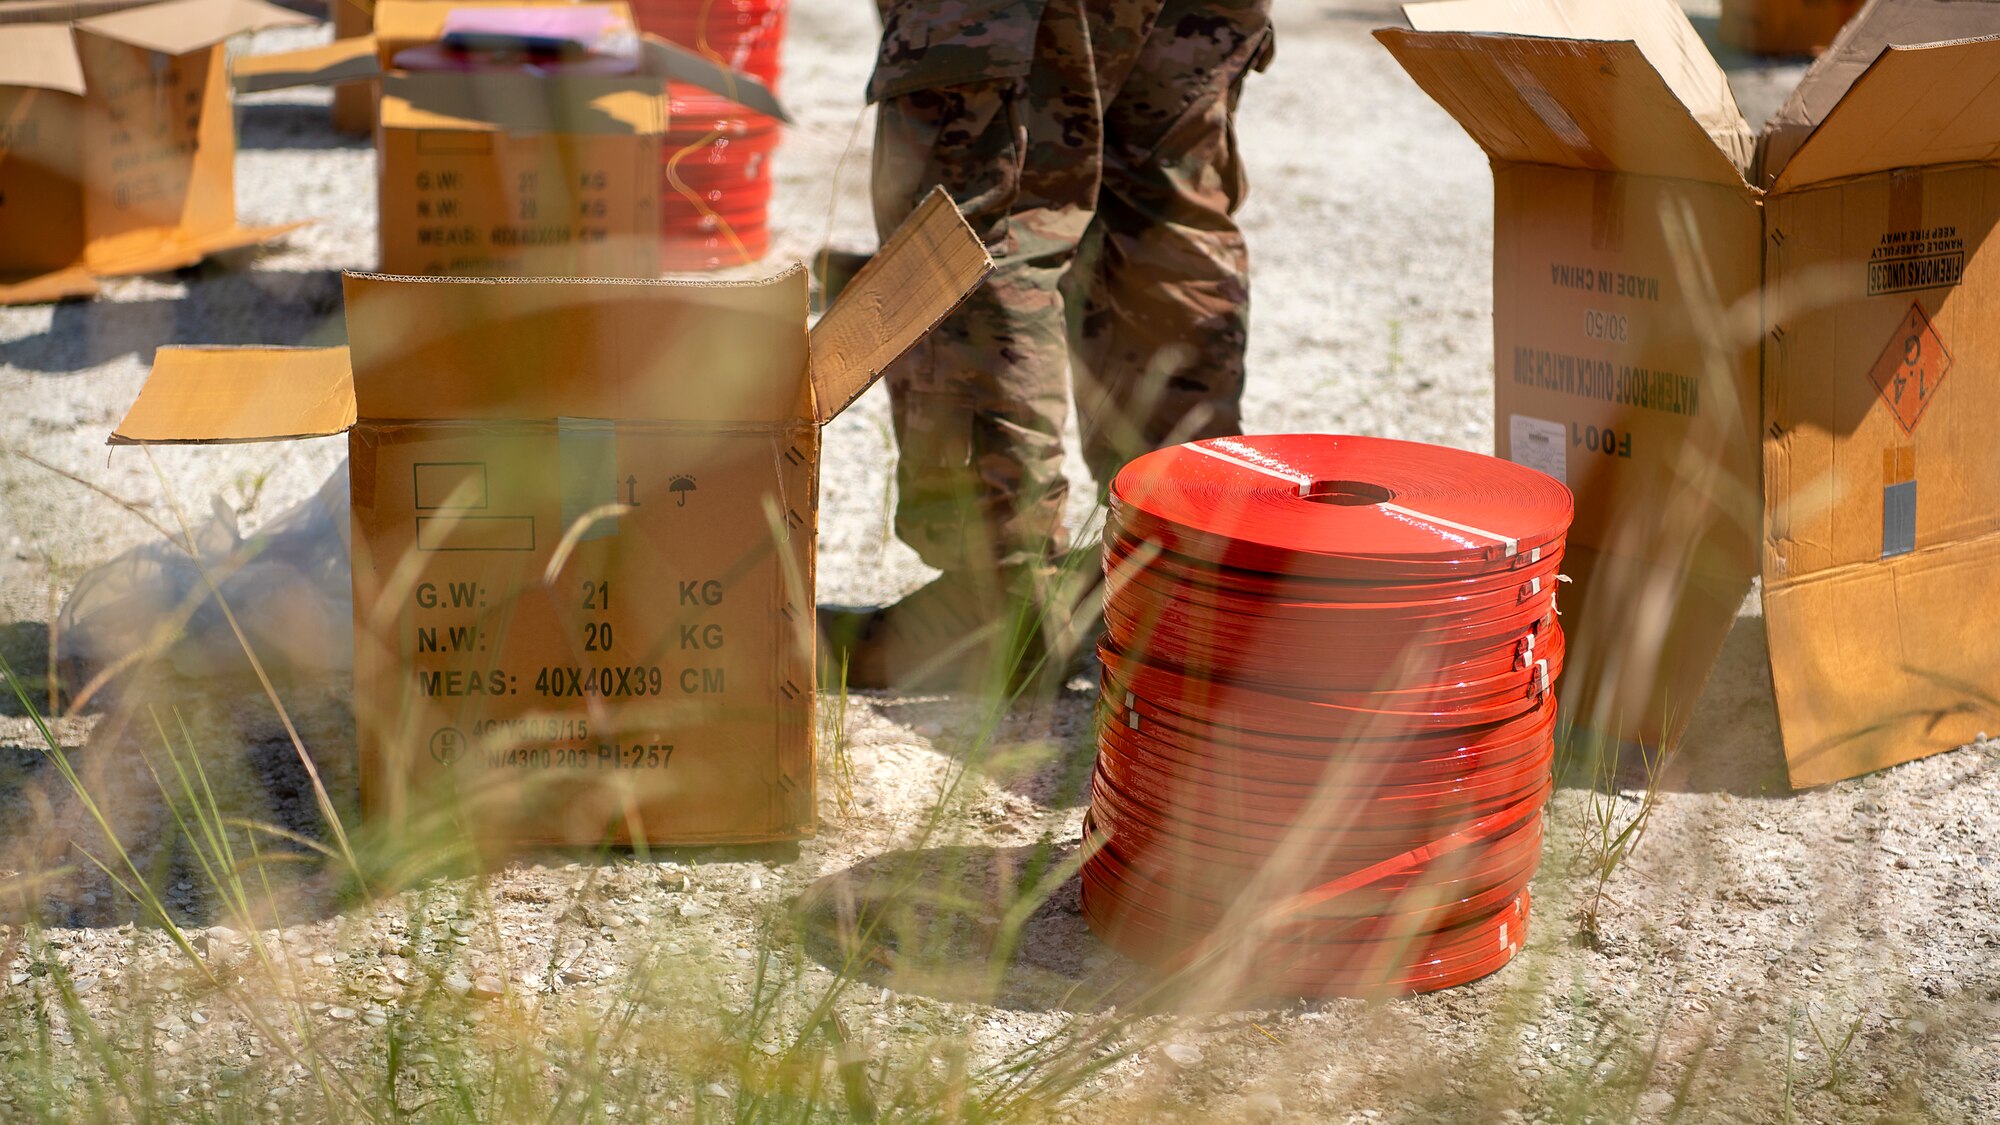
(1090, 143)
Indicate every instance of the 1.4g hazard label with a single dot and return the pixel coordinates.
(1911, 367)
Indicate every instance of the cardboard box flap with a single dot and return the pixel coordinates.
(515, 102)
(1938, 103)
(74, 281)
(1875, 27)
(180, 26)
(1659, 27)
(1562, 102)
(149, 254)
(198, 395)
(499, 349)
(678, 64)
(41, 55)
(343, 60)
(929, 265)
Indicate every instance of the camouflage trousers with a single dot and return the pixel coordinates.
(1103, 182)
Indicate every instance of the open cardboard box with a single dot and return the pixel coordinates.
(1717, 342)
(584, 515)
(118, 146)
(506, 174)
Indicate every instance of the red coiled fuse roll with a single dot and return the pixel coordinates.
(1326, 725)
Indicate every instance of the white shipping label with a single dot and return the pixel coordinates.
(1538, 444)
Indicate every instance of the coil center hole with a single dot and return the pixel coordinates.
(1346, 493)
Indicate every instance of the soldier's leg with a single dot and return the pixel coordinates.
(1161, 292)
(979, 405)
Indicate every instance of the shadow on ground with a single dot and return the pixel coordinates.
(936, 922)
(1039, 748)
(226, 303)
(1731, 745)
(131, 794)
(291, 125)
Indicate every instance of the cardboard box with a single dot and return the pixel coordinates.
(504, 174)
(117, 145)
(1625, 273)
(354, 101)
(1644, 290)
(1881, 465)
(1784, 27)
(583, 522)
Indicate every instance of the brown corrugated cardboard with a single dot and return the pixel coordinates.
(1641, 295)
(584, 515)
(504, 174)
(118, 154)
(1882, 544)
(1784, 27)
(1625, 275)
(60, 11)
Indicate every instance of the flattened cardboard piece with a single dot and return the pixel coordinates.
(39, 56)
(1913, 107)
(927, 268)
(221, 394)
(1882, 508)
(1784, 27)
(1827, 81)
(1659, 28)
(665, 351)
(1561, 102)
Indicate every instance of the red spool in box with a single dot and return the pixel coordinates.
(1326, 727)
(715, 179)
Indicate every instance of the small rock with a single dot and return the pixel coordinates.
(457, 984)
(716, 1090)
(692, 910)
(487, 988)
(171, 1047)
(342, 1014)
(756, 881)
(1182, 1054)
(323, 960)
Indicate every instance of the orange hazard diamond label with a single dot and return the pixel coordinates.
(1911, 367)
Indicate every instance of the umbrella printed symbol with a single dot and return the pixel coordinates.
(680, 486)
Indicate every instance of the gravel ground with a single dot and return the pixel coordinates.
(1749, 932)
